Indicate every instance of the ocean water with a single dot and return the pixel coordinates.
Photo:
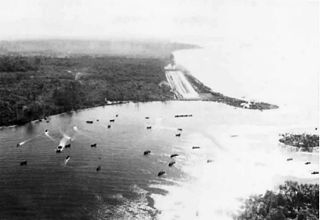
(242, 145)
(51, 188)
(262, 72)
(248, 158)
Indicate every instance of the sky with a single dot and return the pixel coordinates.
(159, 19)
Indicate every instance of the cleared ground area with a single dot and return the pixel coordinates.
(180, 85)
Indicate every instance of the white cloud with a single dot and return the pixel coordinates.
(176, 19)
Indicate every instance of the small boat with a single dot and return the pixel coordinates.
(93, 145)
(289, 159)
(178, 116)
(23, 163)
(174, 155)
(147, 152)
(98, 168)
(109, 126)
(209, 161)
(67, 159)
(68, 145)
(161, 173)
(112, 120)
(117, 116)
(307, 163)
(59, 149)
(178, 135)
(108, 102)
(179, 129)
(146, 117)
(89, 122)
(195, 147)
(149, 127)
(171, 163)
(315, 172)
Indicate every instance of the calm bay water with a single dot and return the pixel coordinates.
(49, 188)
(241, 143)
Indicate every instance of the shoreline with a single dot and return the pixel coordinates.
(205, 94)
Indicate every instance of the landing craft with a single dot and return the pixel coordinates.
(59, 149)
(147, 152)
(64, 142)
(174, 155)
(23, 163)
(161, 173)
(67, 159)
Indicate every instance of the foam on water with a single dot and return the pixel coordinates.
(247, 157)
(137, 208)
(248, 164)
(49, 136)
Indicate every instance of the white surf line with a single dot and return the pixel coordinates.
(63, 142)
(82, 132)
(49, 136)
(66, 160)
(26, 141)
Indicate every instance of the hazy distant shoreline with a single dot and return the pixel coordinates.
(96, 48)
(39, 78)
(46, 77)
